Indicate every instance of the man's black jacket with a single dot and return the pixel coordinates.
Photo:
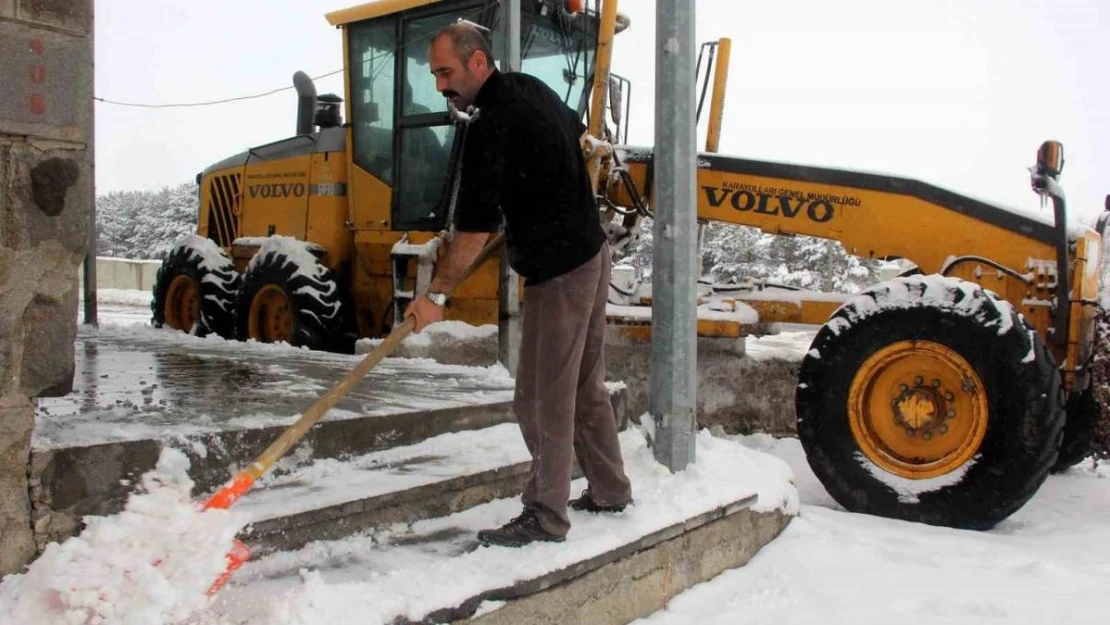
(522, 156)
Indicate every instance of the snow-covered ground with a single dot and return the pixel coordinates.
(128, 569)
(1049, 562)
(371, 579)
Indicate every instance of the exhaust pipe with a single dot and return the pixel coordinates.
(306, 103)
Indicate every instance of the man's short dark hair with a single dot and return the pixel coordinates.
(467, 38)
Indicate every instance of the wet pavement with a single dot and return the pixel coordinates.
(133, 382)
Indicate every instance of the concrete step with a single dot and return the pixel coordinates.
(683, 529)
(134, 383)
(331, 499)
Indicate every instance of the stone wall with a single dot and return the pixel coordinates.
(46, 202)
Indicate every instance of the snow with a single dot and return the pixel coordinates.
(145, 224)
(136, 382)
(1031, 355)
(132, 298)
(790, 344)
(384, 580)
(329, 481)
(907, 489)
(920, 291)
(437, 333)
(1093, 254)
(212, 258)
(260, 241)
(794, 296)
(1048, 563)
(152, 563)
(296, 251)
(718, 309)
(463, 117)
(421, 250)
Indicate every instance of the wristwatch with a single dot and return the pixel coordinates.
(439, 299)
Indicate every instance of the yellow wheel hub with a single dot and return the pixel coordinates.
(182, 304)
(271, 315)
(917, 409)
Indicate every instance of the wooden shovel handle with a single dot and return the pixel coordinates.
(245, 479)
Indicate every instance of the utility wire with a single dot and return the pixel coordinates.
(369, 61)
(210, 102)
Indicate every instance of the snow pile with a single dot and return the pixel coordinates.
(152, 563)
(450, 331)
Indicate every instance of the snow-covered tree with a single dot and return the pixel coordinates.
(731, 253)
(144, 224)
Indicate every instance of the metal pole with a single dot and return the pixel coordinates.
(89, 281)
(508, 293)
(88, 295)
(674, 270)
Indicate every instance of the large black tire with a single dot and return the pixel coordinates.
(305, 300)
(195, 289)
(1003, 447)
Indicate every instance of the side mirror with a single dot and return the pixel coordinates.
(1050, 159)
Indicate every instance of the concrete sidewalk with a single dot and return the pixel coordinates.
(136, 382)
(138, 389)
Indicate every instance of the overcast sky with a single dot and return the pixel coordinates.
(959, 93)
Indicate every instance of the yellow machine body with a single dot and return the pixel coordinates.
(334, 199)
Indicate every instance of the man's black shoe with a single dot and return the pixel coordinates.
(586, 503)
(520, 531)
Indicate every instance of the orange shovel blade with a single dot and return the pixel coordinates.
(240, 552)
(238, 555)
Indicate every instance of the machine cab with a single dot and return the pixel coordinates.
(401, 138)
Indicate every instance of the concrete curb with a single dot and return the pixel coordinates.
(633, 581)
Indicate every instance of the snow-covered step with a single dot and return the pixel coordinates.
(331, 498)
(685, 528)
(138, 390)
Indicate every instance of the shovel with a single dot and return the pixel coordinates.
(245, 479)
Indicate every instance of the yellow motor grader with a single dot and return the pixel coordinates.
(945, 395)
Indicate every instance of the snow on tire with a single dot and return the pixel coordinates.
(929, 399)
(287, 295)
(195, 289)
